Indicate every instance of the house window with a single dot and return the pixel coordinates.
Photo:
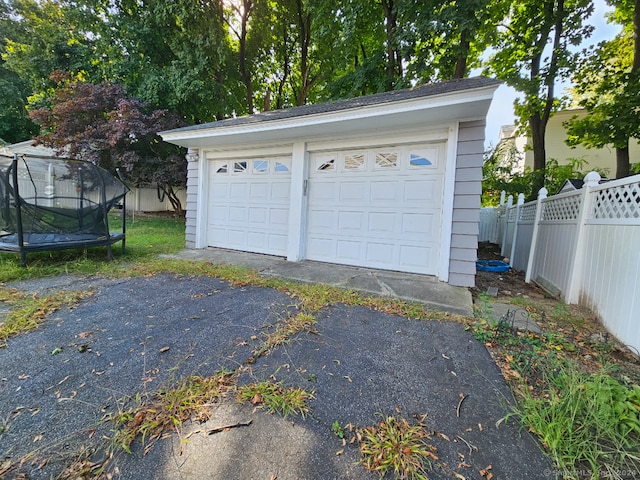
(260, 166)
(354, 162)
(222, 168)
(386, 160)
(239, 167)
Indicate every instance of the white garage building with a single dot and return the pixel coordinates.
(389, 181)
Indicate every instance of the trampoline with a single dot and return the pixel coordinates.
(49, 204)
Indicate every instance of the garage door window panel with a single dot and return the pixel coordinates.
(386, 160)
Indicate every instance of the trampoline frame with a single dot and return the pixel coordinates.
(21, 245)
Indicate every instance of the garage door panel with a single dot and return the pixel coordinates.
(349, 251)
(249, 206)
(238, 215)
(350, 222)
(423, 190)
(238, 191)
(277, 242)
(385, 191)
(418, 224)
(384, 215)
(324, 248)
(322, 190)
(280, 192)
(381, 254)
(259, 191)
(354, 191)
(279, 216)
(412, 255)
(322, 219)
(257, 215)
(383, 222)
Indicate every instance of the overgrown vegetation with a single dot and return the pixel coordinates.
(576, 390)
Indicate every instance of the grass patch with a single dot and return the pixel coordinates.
(167, 409)
(396, 446)
(29, 311)
(275, 397)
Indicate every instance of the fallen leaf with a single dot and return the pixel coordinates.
(37, 438)
(164, 349)
(257, 398)
(340, 452)
(23, 377)
(83, 334)
(457, 475)
(480, 426)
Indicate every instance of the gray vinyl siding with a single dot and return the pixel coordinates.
(466, 204)
(192, 203)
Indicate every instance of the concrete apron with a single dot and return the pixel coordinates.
(425, 289)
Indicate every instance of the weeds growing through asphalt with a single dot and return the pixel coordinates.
(275, 397)
(395, 446)
(153, 416)
(283, 332)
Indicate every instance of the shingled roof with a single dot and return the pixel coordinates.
(428, 90)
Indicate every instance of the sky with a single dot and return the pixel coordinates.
(501, 111)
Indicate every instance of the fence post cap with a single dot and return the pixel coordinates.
(543, 192)
(520, 198)
(592, 179)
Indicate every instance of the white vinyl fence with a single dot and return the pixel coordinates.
(583, 246)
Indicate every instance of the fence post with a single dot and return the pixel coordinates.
(542, 194)
(515, 228)
(505, 225)
(592, 179)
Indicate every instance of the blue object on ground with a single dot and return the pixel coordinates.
(492, 265)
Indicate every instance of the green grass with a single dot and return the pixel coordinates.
(146, 238)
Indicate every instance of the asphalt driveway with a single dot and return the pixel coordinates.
(134, 335)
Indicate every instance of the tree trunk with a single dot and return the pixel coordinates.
(622, 161)
(244, 72)
(461, 63)
(538, 128)
(394, 65)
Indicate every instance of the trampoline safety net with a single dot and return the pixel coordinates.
(53, 203)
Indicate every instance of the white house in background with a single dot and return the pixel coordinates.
(595, 158)
(138, 199)
(388, 181)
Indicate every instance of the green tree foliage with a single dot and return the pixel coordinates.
(608, 86)
(537, 47)
(100, 123)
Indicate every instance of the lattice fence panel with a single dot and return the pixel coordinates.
(617, 202)
(528, 212)
(561, 209)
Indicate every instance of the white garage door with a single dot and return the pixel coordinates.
(249, 204)
(378, 208)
